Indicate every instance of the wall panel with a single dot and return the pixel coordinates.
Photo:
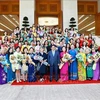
(87, 7)
(11, 7)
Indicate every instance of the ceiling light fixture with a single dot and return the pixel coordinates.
(1, 30)
(17, 22)
(13, 18)
(6, 27)
(81, 17)
(91, 29)
(87, 25)
(9, 20)
(83, 20)
(10, 15)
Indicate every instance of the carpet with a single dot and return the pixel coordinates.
(47, 82)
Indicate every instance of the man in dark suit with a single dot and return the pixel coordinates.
(54, 61)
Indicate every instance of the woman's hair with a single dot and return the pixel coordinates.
(31, 48)
(24, 49)
(37, 42)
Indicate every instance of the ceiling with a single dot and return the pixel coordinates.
(86, 23)
(8, 22)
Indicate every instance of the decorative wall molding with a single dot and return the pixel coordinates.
(86, 7)
(11, 7)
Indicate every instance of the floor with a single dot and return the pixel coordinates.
(50, 92)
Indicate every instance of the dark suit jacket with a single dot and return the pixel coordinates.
(53, 60)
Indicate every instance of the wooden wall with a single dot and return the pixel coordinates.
(48, 8)
(52, 8)
(98, 24)
(9, 7)
(87, 7)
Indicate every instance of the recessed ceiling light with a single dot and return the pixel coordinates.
(81, 17)
(91, 29)
(10, 15)
(17, 22)
(1, 30)
(13, 18)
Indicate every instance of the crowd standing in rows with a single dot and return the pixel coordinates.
(31, 54)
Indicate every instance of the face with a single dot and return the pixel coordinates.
(68, 45)
(38, 43)
(72, 46)
(45, 35)
(31, 36)
(18, 49)
(32, 43)
(74, 35)
(78, 40)
(0, 41)
(48, 38)
(11, 50)
(68, 34)
(77, 45)
(21, 39)
(63, 41)
(84, 43)
(5, 33)
(26, 43)
(46, 42)
(52, 42)
(20, 44)
(12, 45)
(90, 35)
(25, 50)
(41, 49)
(93, 50)
(63, 49)
(53, 48)
(16, 41)
(31, 50)
(93, 42)
(3, 51)
(81, 50)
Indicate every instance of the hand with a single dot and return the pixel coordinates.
(58, 64)
(41, 61)
(2, 66)
(45, 60)
(71, 61)
(48, 64)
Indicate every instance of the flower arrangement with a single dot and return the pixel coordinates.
(95, 58)
(19, 58)
(90, 59)
(66, 57)
(2, 58)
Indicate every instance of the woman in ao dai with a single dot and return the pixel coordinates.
(17, 53)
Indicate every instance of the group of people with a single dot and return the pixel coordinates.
(30, 54)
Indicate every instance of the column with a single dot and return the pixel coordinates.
(27, 8)
(98, 6)
(69, 8)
